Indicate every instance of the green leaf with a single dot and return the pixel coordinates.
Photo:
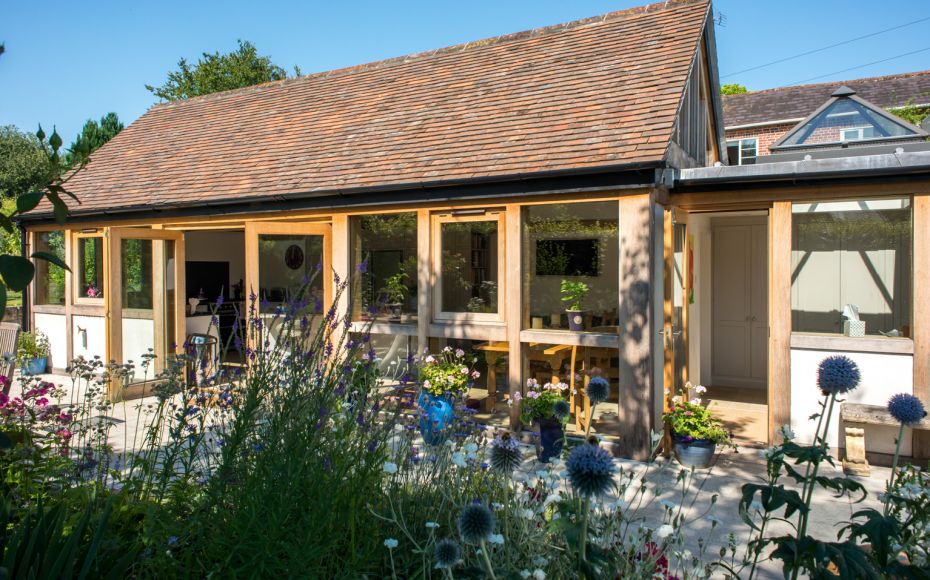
(49, 257)
(59, 207)
(28, 201)
(17, 271)
(2, 301)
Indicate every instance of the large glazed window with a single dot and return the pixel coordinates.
(288, 265)
(852, 253)
(89, 272)
(384, 253)
(50, 279)
(136, 274)
(571, 250)
(470, 262)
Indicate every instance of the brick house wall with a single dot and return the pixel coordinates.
(767, 135)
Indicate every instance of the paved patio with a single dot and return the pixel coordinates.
(724, 479)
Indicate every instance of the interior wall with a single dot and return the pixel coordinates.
(96, 330)
(54, 326)
(700, 346)
(203, 246)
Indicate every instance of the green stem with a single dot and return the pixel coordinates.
(487, 560)
(583, 543)
(894, 467)
(810, 482)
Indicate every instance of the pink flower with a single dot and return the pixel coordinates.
(475, 374)
(464, 370)
(459, 352)
(430, 359)
(517, 396)
(4, 399)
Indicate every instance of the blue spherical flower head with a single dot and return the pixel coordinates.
(561, 410)
(505, 455)
(598, 390)
(591, 470)
(476, 523)
(447, 553)
(837, 375)
(906, 408)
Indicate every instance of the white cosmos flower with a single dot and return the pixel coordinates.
(524, 573)
(539, 574)
(390, 543)
(665, 531)
(432, 525)
(496, 539)
(390, 467)
(528, 514)
(458, 459)
(471, 447)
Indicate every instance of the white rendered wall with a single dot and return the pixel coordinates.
(138, 338)
(55, 328)
(96, 337)
(883, 375)
(699, 314)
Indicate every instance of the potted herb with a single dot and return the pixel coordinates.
(547, 410)
(695, 431)
(443, 377)
(573, 295)
(395, 293)
(32, 352)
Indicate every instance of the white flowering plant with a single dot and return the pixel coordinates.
(448, 371)
(690, 420)
(539, 402)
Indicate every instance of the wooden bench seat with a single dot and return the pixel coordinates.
(853, 414)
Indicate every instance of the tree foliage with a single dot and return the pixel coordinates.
(219, 72)
(24, 162)
(92, 137)
(733, 89)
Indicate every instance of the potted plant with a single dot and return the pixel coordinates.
(395, 293)
(32, 352)
(443, 378)
(695, 431)
(573, 295)
(546, 410)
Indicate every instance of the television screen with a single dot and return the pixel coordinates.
(567, 257)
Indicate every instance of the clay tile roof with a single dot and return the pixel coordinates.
(591, 93)
(796, 103)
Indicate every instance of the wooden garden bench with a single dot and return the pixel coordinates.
(852, 414)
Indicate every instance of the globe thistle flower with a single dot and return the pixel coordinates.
(598, 390)
(561, 409)
(505, 454)
(476, 523)
(906, 409)
(838, 374)
(447, 553)
(591, 470)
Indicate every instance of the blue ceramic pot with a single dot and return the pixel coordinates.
(34, 366)
(693, 452)
(436, 414)
(549, 443)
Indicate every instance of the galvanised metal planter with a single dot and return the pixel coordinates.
(693, 452)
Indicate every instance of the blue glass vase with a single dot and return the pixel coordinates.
(436, 414)
(550, 440)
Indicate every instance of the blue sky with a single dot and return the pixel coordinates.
(66, 62)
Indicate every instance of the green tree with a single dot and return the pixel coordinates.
(92, 137)
(733, 89)
(24, 162)
(219, 72)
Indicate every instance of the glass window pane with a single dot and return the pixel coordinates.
(470, 254)
(50, 279)
(733, 152)
(846, 120)
(852, 253)
(385, 255)
(90, 267)
(571, 248)
(485, 401)
(136, 280)
(286, 264)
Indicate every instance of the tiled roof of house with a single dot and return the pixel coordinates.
(787, 103)
(596, 92)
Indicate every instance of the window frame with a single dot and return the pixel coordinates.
(739, 148)
(78, 273)
(485, 215)
(860, 131)
(354, 246)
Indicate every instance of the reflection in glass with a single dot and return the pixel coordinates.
(136, 280)
(384, 254)
(286, 263)
(90, 267)
(50, 279)
(571, 246)
(469, 266)
(852, 252)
